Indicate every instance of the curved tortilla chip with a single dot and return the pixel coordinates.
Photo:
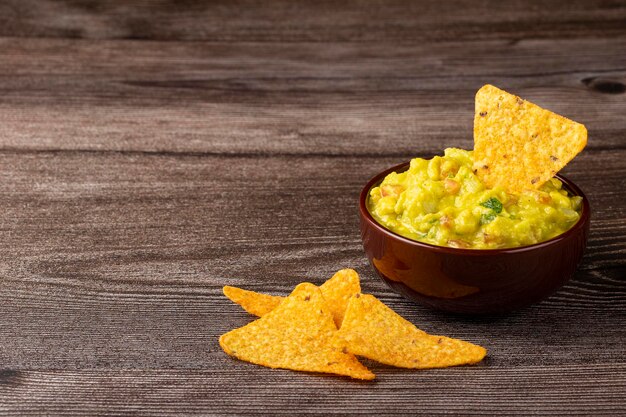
(517, 144)
(373, 330)
(296, 335)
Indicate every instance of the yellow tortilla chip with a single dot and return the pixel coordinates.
(253, 302)
(296, 335)
(517, 144)
(336, 291)
(373, 330)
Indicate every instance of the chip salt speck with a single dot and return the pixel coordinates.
(372, 330)
(517, 144)
(295, 335)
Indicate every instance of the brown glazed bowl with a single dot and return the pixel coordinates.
(472, 281)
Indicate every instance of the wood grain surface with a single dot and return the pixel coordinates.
(152, 152)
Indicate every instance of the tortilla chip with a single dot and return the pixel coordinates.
(296, 335)
(372, 330)
(517, 144)
(254, 303)
(336, 291)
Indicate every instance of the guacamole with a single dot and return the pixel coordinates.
(442, 202)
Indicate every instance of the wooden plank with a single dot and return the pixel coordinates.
(117, 195)
(60, 325)
(332, 99)
(592, 389)
(289, 21)
(116, 260)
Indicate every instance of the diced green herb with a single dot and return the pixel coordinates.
(487, 218)
(493, 204)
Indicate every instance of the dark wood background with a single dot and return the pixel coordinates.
(152, 152)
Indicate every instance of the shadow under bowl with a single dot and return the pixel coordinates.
(472, 281)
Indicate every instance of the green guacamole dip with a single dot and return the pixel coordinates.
(442, 202)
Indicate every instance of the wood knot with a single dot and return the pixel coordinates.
(8, 377)
(603, 85)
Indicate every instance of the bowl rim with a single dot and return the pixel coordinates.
(366, 215)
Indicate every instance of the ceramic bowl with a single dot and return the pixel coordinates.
(473, 281)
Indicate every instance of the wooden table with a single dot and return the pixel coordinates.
(151, 153)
